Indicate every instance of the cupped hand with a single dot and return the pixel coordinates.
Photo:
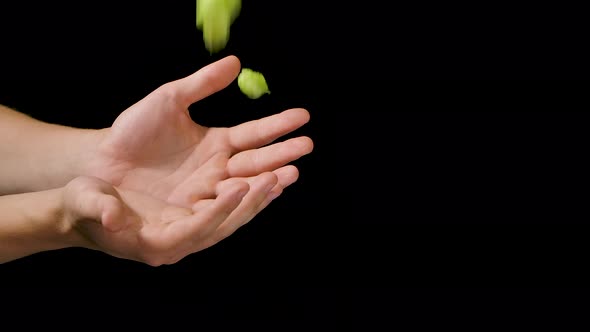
(136, 226)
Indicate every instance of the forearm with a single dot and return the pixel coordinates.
(34, 222)
(37, 156)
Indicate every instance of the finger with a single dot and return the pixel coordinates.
(101, 208)
(113, 216)
(202, 204)
(201, 184)
(94, 199)
(256, 133)
(286, 176)
(268, 158)
(260, 191)
(199, 226)
(206, 81)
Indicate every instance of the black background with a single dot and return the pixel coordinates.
(448, 166)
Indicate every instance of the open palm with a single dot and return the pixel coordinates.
(154, 150)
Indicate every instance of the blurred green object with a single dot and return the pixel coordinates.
(252, 83)
(214, 19)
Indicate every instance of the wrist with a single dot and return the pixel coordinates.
(53, 223)
(85, 152)
(49, 158)
(35, 222)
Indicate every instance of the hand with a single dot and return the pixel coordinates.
(155, 151)
(155, 148)
(136, 226)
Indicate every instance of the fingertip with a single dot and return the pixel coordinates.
(289, 176)
(301, 115)
(305, 114)
(307, 144)
(233, 62)
(270, 178)
(241, 195)
(236, 190)
(113, 218)
(229, 200)
(236, 61)
(242, 190)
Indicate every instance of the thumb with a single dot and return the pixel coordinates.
(96, 200)
(112, 217)
(206, 81)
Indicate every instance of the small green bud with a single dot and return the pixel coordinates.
(252, 83)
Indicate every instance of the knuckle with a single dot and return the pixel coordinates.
(166, 90)
(168, 93)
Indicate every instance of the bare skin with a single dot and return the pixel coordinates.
(156, 186)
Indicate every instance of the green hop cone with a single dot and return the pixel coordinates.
(216, 31)
(200, 14)
(214, 19)
(234, 7)
(252, 83)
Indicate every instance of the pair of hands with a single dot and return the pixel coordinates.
(160, 186)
